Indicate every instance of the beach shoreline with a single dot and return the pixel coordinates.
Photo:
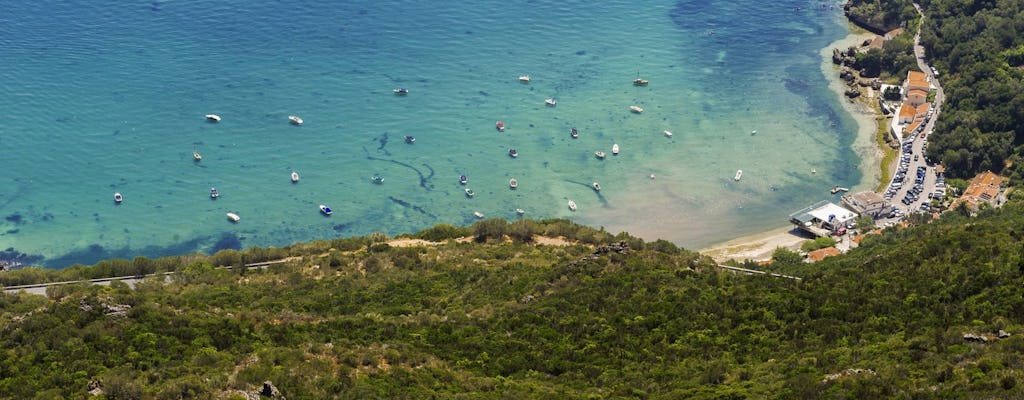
(759, 246)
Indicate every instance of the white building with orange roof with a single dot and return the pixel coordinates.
(917, 80)
(913, 113)
(985, 187)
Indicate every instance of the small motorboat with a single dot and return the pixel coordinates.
(118, 198)
(500, 126)
(196, 156)
(668, 133)
(520, 211)
(551, 102)
(478, 214)
(214, 193)
(837, 189)
(410, 139)
(294, 120)
(377, 179)
(572, 205)
(596, 186)
(513, 183)
(640, 82)
(326, 210)
(463, 179)
(739, 174)
(599, 154)
(401, 91)
(470, 192)
(524, 78)
(212, 117)
(636, 109)
(233, 217)
(295, 177)
(512, 152)
(615, 149)
(574, 133)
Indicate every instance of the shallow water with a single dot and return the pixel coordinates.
(97, 103)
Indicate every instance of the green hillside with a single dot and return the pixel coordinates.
(519, 320)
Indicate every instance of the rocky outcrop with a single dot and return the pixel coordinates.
(847, 75)
(846, 58)
(852, 92)
(847, 373)
(620, 247)
(269, 390)
(985, 337)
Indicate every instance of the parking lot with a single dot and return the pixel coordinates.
(915, 183)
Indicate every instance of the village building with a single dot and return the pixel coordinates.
(985, 187)
(821, 254)
(915, 110)
(823, 218)
(865, 203)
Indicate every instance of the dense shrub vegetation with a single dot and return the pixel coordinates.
(504, 319)
(978, 47)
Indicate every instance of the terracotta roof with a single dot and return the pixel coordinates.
(907, 111)
(916, 79)
(983, 187)
(893, 33)
(923, 109)
(940, 169)
(820, 254)
(917, 91)
(913, 126)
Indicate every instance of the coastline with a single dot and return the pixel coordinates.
(759, 246)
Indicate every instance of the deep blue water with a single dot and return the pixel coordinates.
(102, 99)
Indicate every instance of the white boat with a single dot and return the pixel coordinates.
(513, 183)
(636, 109)
(668, 133)
(118, 198)
(326, 210)
(520, 211)
(196, 156)
(524, 79)
(513, 153)
(470, 192)
(596, 186)
(551, 102)
(615, 149)
(378, 179)
(572, 205)
(463, 179)
(640, 82)
(295, 176)
(295, 120)
(739, 174)
(574, 133)
(500, 126)
(599, 154)
(401, 91)
(478, 214)
(212, 117)
(214, 193)
(233, 217)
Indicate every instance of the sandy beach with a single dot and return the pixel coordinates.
(759, 247)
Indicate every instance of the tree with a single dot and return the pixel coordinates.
(492, 228)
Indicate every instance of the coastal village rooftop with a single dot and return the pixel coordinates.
(984, 188)
(822, 218)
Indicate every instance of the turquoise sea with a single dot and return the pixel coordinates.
(101, 99)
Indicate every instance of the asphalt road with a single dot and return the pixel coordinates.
(912, 151)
